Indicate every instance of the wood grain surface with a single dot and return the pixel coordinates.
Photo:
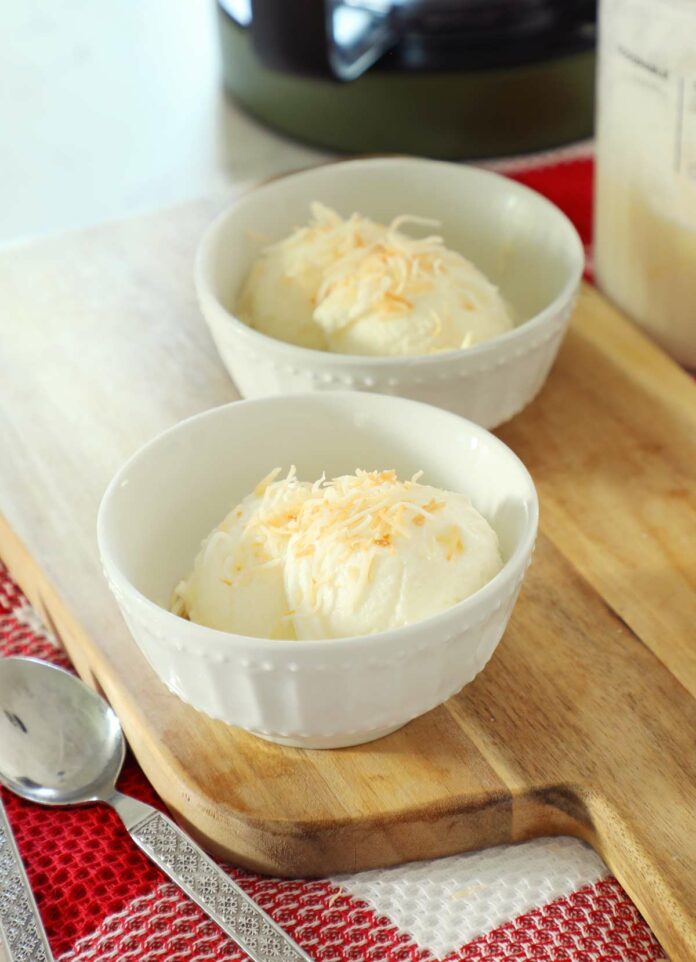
(583, 723)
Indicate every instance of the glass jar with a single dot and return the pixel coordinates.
(645, 197)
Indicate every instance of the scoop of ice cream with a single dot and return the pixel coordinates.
(357, 287)
(279, 295)
(374, 553)
(237, 583)
(357, 555)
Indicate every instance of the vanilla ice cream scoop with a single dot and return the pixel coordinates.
(357, 287)
(376, 553)
(353, 556)
(279, 296)
(237, 583)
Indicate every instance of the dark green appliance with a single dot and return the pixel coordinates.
(444, 78)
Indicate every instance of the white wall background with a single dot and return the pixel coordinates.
(111, 107)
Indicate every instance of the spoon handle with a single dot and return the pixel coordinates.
(217, 894)
(20, 922)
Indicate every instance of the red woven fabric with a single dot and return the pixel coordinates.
(101, 899)
(596, 922)
(569, 184)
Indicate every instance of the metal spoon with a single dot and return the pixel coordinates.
(61, 744)
(21, 929)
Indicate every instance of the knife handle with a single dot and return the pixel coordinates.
(20, 923)
(202, 880)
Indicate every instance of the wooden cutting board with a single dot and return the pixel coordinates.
(583, 723)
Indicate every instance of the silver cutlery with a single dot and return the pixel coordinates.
(20, 923)
(61, 744)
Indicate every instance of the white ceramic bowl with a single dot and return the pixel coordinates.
(519, 239)
(317, 694)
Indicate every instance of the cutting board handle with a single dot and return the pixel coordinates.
(649, 847)
(646, 838)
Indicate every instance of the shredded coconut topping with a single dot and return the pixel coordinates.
(294, 553)
(358, 511)
(356, 270)
(354, 517)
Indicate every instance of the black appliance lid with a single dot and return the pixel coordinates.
(344, 38)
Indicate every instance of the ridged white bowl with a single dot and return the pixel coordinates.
(519, 239)
(317, 694)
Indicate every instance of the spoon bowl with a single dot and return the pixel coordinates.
(60, 743)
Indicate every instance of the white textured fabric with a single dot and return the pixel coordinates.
(446, 902)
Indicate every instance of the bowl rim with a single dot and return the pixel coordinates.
(516, 563)
(207, 244)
